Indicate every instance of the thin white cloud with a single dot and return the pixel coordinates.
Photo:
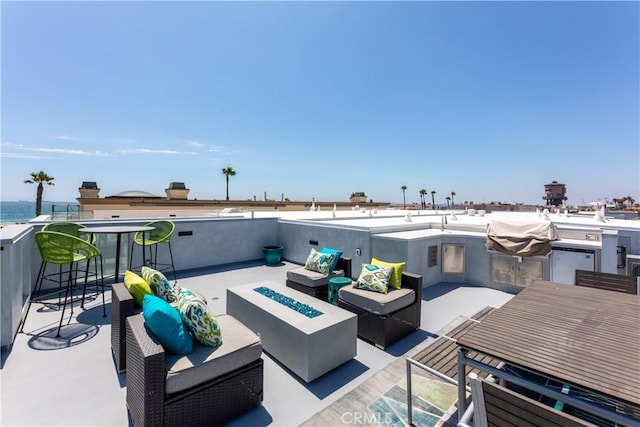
(66, 138)
(215, 148)
(55, 150)
(20, 156)
(195, 143)
(61, 151)
(149, 151)
(122, 140)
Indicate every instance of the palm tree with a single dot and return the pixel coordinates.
(433, 199)
(448, 198)
(228, 171)
(453, 193)
(404, 200)
(39, 178)
(423, 192)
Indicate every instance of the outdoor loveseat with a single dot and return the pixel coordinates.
(385, 318)
(206, 387)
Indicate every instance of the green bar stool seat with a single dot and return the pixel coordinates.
(161, 234)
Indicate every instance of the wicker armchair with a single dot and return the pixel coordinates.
(209, 403)
(321, 291)
(122, 306)
(384, 329)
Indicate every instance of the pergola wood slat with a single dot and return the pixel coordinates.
(583, 336)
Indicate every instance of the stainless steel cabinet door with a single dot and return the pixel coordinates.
(452, 259)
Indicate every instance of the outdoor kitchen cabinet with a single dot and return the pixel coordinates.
(452, 258)
(516, 271)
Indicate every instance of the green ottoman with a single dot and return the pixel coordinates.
(335, 283)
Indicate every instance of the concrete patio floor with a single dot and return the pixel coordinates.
(72, 380)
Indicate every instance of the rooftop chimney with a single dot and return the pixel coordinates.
(177, 190)
(89, 190)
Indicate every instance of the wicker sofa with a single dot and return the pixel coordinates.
(206, 387)
(317, 284)
(385, 318)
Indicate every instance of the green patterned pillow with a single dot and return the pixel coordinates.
(199, 320)
(159, 284)
(319, 261)
(374, 278)
(395, 281)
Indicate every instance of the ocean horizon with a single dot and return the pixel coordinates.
(18, 212)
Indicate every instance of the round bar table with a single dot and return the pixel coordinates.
(119, 230)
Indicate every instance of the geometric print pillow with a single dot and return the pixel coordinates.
(199, 320)
(395, 281)
(374, 278)
(159, 284)
(319, 262)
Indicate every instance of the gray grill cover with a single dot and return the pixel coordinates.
(521, 239)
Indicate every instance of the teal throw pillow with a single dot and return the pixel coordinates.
(319, 262)
(165, 323)
(199, 320)
(373, 278)
(159, 284)
(337, 253)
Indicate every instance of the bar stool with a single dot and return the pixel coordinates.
(162, 232)
(63, 250)
(73, 229)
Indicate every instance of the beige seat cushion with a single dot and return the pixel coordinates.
(376, 302)
(239, 347)
(312, 279)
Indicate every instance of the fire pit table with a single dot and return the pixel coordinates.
(308, 336)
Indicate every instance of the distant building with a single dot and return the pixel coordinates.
(555, 193)
(89, 190)
(142, 204)
(358, 197)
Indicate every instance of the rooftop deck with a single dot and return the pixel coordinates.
(72, 380)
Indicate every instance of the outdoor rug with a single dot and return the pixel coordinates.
(382, 399)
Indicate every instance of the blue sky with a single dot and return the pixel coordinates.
(491, 100)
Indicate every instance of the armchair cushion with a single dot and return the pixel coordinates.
(240, 347)
(309, 278)
(319, 261)
(165, 323)
(395, 280)
(378, 303)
